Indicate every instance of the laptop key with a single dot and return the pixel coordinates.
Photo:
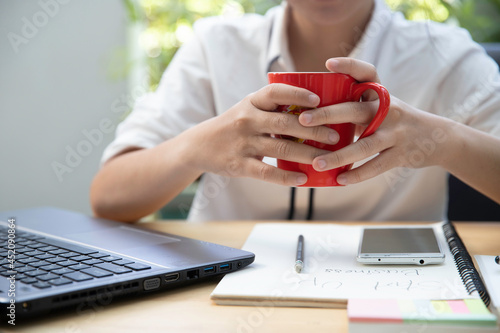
(68, 246)
(55, 260)
(45, 256)
(80, 258)
(98, 255)
(59, 251)
(91, 261)
(69, 254)
(114, 268)
(35, 273)
(66, 263)
(34, 253)
(39, 263)
(110, 258)
(78, 267)
(36, 245)
(25, 242)
(41, 285)
(20, 276)
(28, 280)
(78, 277)
(62, 271)
(47, 277)
(27, 260)
(47, 248)
(60, 281)
(96, 272)
(138, 266)
(123, 262)
(25, 269)
(23, 251)
(51, 267)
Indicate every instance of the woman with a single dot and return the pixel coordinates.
(212, 116)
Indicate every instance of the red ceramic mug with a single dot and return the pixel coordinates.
(332, 88)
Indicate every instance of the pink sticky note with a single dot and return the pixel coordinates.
(458, 306)
(374, 310)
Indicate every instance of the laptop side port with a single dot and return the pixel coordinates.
(171, 277)
(209, 270)
(225, 267)
(194, 274)
(151, 284)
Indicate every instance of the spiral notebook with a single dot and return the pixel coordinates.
(468, 272)
(331, 274)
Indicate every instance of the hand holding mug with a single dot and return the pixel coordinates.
(332, 88)
(408, 137)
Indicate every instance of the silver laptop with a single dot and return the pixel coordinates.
(52, 259)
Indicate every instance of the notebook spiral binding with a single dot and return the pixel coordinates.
(464, 263)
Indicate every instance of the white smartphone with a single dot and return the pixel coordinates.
(401, 246)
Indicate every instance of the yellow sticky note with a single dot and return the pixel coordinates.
(441, 307)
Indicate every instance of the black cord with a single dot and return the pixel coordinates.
(291, 210)
(310, 210)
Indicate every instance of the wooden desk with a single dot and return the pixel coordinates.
(190, 309)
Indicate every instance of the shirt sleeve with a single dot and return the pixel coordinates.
(470, 92)
(183, 99)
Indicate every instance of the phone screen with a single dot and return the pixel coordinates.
(400, 246)
(399, 240)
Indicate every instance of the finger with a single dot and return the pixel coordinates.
(260, 170)
(351, 112)
(288, 124)
(360, 70)
(352, 153)
(378, 165)
(288, 150)
(273, 95)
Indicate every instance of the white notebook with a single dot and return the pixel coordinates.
(331, 274)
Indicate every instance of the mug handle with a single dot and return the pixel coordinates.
(383, 108)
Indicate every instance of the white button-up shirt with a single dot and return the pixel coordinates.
(434, 67)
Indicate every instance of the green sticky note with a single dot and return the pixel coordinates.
(476, 306)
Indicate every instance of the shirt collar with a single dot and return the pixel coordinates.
(279, 58)
(375, 29)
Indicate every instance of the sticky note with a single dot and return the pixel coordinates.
(476, 306)
(386, 310)
(441, 307)
(458, 306)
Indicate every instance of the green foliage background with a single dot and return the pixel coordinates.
(168, 23)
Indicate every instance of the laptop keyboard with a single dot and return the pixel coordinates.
(46, 262)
